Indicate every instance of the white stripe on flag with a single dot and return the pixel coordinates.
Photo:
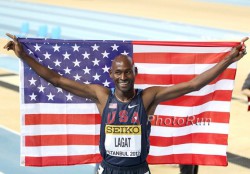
(192, 148)
(184, 111)
(186, 69)
(163, 131)
(220, 85)
(60, 150)
(61, 129)
(52, 108)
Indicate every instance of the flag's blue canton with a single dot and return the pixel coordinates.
(83, 61)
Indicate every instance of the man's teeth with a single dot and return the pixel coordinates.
(123, 83)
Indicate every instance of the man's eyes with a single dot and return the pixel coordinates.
(126, 72)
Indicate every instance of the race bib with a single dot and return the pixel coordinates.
(123, 140)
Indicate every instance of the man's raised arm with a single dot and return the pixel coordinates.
(83, 90)
(166, 93)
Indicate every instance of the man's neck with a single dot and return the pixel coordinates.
(125, 96)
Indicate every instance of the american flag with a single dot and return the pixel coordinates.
(59, 128)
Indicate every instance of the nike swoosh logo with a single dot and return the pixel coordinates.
(131, 106)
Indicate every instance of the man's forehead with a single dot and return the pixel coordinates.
(122, 65)
(122, 61)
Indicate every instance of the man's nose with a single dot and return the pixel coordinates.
(123, 76)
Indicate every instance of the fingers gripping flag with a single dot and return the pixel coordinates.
(59, 128)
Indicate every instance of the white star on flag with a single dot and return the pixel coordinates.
(69, 97)
(85, 55)
(96, 77)
(41, 88)
(105, 54)
(125, 53)
(105, 69)
(106, 83)
(96, 62)
(95, 47)
(57, 63)
(30, 52)
(76, 63)
(59, 90)
(67, 70)
(86, 70)
(86, 82)
(37, 47)
(115, 47)
(66, 55)
(50, 96)
(47, 55)
(77, 77)
(32, 81)
(50, 67)
(76, 48)
(40, 60)
(56, 48)
(33, 97)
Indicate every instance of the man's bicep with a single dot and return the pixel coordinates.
(171, 92)
(81, 90)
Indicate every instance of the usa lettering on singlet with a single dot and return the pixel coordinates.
(123, 140)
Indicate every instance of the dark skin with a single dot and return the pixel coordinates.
(123, 73)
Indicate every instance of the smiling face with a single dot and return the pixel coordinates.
(123, 73)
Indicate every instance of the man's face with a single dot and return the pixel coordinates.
(123, 74)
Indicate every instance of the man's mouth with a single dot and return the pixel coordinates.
(123, 84)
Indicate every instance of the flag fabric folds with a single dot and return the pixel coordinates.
(59, 128)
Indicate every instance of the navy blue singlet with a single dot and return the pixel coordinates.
(125, 131)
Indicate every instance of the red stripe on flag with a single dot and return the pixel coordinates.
(62, 160)
(178, 58)
(206, 138)
(161, 79)
(52, 140)
(33, 119)
(193, 44)
(215, 160)
(204, 118)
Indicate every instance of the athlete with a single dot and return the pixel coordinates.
(246, 86)
(125, 129)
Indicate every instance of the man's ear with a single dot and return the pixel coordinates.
(136, 71)
(110, 72)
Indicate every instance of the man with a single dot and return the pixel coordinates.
(125, 128)
(246, 86)
(245, 90)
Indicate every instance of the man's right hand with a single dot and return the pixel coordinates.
(14, 45)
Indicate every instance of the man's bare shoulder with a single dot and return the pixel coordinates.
(99, 89)
(151, 90)
(148, 96)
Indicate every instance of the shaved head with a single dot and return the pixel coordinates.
(121, 59)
